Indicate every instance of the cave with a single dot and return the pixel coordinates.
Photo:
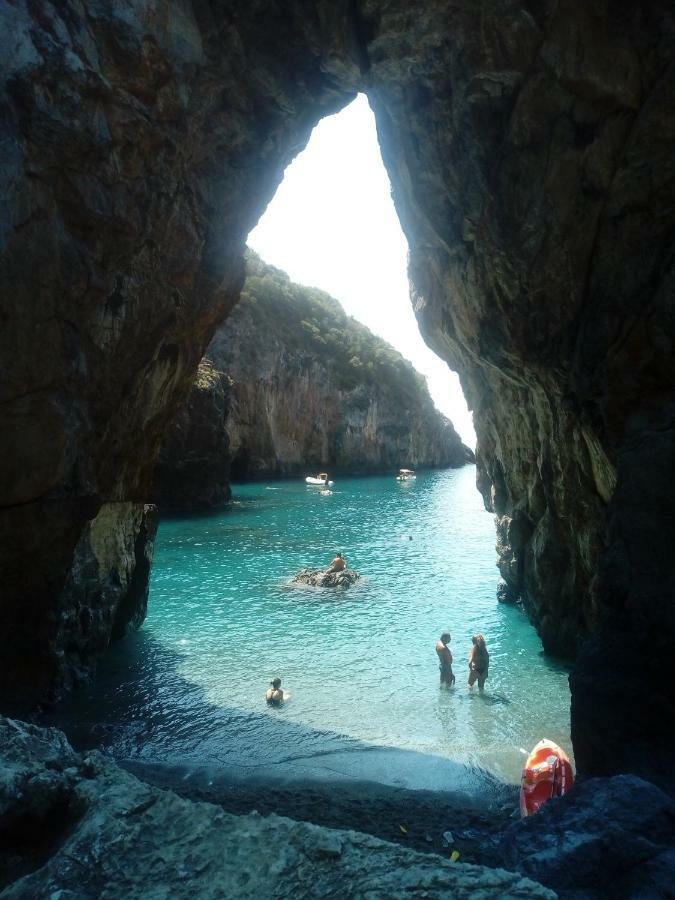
(239, 467)
(529, 147)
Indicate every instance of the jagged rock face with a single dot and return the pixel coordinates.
(128, 839)
(608, 835)
(547, 236)
(139, 144)
(536, 189)
(313, 390)
(193, 468)
(529, 146)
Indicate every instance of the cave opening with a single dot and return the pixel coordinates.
(530, 146)
(332, 224)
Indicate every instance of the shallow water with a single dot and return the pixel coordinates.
(360, 665)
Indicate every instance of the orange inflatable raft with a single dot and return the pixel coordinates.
(547, 773)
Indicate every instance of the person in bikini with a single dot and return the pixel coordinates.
(275, 694)
(479, 662)
(445, 659)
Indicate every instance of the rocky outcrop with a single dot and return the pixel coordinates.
(613, 836)
(308, 389)
(104, 595)
(321, 578)
(529, 146)
(193, 468)
(313, 389)
(76, 825)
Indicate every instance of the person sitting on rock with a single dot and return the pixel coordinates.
(338, 564)
(479, 662)
(445, 659)
(275, 694)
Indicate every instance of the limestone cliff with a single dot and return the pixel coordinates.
(311, 389)
(529, 146)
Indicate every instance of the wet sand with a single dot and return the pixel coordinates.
(414, 818)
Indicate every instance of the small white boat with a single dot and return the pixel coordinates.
(321, 479)
(405, 475)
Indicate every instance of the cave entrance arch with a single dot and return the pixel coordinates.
(139, 148)
(332, 225)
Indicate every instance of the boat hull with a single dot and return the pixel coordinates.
(547, 773)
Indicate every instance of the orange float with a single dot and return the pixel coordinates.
(547, 773)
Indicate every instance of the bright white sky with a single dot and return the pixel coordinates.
(332, 225)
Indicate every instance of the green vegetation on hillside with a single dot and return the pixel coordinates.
(300, 316)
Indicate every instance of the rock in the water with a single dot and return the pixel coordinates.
(505, 593)
(321, 578)
(80, 827)
(607, 837)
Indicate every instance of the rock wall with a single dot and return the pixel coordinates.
(311, 390)
(529, 146)
(139, 143)
(192, 472)
(536, 190)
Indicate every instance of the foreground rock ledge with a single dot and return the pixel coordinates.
(80, 824)
(321, 578)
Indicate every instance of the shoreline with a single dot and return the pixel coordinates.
(415, 818)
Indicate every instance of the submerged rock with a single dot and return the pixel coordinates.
(321, 578)
(78, 826)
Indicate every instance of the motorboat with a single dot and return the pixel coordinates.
(405, 475)
(321, 479)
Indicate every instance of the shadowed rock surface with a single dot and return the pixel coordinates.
(80, 826)
(321, 578)
(611, 837)
(529, 146)
(193, 468)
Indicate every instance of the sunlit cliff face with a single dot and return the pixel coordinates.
(530, 153)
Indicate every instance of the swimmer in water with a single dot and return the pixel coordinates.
(274, 693)
(479, 662)
(445, 659)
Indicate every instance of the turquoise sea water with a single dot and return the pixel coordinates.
(360, 665)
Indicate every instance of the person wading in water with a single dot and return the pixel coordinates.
(445, 659)
(479, 662)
